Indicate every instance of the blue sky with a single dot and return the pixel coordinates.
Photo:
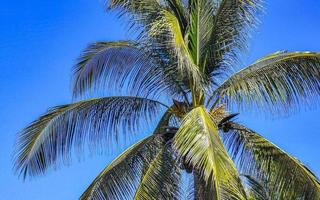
(39, 42)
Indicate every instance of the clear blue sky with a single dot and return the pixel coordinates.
(39, 42)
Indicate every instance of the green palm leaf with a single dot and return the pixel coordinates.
(118, 64)
(96, 121)
(257, 190)
(161, 179)
(258, 156)
(198, 142)
(121, 178)
(201, 190)
(233, 21)
(278, 82)
(200, 30)
(139, 11)
(167, 30)
(178, 8)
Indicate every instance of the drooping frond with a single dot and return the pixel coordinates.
(115, 65)
(263, 160)
(231, 28)
(202, 190)
(161, 180)
(278, 82)
(199, 144)
(120, 179)
(256, 190)
(95, 122)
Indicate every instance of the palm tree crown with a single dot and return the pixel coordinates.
(183, 53)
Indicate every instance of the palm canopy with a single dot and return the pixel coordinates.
(183, 49)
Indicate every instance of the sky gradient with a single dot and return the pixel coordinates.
(40, 41)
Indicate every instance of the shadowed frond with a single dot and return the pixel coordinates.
(120, 179)
(117, 65)
(164, 121)
(258, 157)
(199, 144)
(256, 190)
(144, 17)
(95, 121)
(280, 81)
(231, 28)
(178, 8)
(202, 190)
(161, 179)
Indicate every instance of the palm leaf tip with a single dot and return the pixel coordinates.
(50, 140)
(283, 175)
(146, 170)
(117, 65)
(113, 181)
(233, 21)
(279, 82)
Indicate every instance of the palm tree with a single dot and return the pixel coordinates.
(183, 53)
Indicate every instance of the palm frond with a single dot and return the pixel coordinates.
(116, 65)
(133, 5)
(167, 31)
(95, 122)
(120, 179)
(199, 144)
(257, 190)
(200, 29)
(178, 85)
(279, 82)
(178, 9)
(140, 12)
(164, 121)
(202, 190)
(231, 28)
(258, 157)
(162, 178)
(162, 30)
